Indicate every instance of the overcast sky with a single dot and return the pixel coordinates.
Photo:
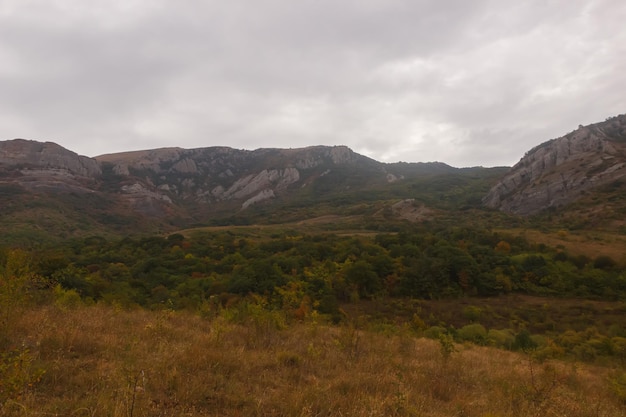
(465, 82)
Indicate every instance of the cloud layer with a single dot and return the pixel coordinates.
(464, 82)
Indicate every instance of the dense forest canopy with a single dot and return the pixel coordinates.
(423, 262)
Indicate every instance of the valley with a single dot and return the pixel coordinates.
(215, 278)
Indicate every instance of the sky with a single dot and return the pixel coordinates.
(465, 82)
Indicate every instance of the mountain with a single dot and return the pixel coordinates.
(565, 170)
(219, 175)
(46, 165)
(49, 190)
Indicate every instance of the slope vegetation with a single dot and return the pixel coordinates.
(50, 192)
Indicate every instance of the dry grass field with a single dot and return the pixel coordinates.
(587, 243)
(102, 361)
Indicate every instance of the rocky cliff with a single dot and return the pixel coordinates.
(560, 171)
(217, 174)
(200, 179)
(46, 165)
(30, 154)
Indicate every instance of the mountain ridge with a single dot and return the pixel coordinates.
(167, 188)
(46, 188)
(560, 171)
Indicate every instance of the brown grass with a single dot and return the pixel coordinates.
(588, 243)
(101, 361)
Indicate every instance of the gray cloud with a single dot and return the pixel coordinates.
(463, 82)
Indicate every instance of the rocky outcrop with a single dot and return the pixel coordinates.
(32, 155)
(410, 210)
(140, 191)
(559, 171)
(262, 196)
(275, 179)
(203, 176)
(218, 174)
(46, 167)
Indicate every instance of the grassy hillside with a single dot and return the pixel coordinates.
(103, 361)
(587, 243)
(451, 196)
(602, 209)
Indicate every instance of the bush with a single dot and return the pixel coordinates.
(604, 262)
(472, 313)
(66, 299)
(434, 332)
(524, 341)
(475, 333)
(501, 338)
(18, 374)
(539, 341)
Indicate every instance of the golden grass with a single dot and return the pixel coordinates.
(590, 244)
(101, 361)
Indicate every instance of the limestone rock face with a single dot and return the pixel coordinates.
(559, 171)
(262, 196)
(218, 174)
(47, 167)
(252, 184)
(141, 191)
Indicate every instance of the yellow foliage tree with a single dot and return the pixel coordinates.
(503, 247)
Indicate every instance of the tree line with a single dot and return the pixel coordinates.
(321, 270)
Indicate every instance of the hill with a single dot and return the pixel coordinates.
(249, 362)
(50, 192)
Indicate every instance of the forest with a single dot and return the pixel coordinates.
(340, 277)
(327, 268)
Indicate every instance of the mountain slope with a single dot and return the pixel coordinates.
(33, 165)
(47, 190)
(219, 174)
(563, 170)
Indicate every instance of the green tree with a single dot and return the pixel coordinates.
(362, 275)
(74, 278)
(258, 276)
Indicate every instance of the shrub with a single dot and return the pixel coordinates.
(475, 333)
(524, 341)
(604, 262)
(472, 313)
(539, 341)
(501, 338)
(66, 299)
(434, 332)
(446, 346)
(18, 374)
